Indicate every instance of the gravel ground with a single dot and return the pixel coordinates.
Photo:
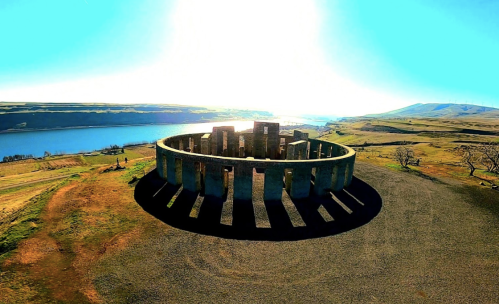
(431, 242)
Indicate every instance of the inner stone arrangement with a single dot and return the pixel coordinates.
(292, 163)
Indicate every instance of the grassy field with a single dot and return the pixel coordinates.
(434, 142)
(83, 238)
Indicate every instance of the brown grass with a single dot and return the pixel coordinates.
(83, 221)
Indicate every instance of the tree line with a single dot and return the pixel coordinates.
(16, 157)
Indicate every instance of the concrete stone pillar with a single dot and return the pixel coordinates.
(288, 177)
(300, 183)
(272, 188)
(214, 180)
(205, 144)
(243, 182)
(174, 170)
(338, 177)
(349, 172)
(226, 179)
(164, 171)
(297, 150)
(159, 163)
(323, 179)
(191, 176)
(197, 144)
(314, 146)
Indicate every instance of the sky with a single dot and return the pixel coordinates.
(329, 57)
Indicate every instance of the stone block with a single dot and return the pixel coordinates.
(338, 177)
(272, 189)
(243, 182)
(214, 180)
(191, 176)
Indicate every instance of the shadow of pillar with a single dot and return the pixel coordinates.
(153, 195)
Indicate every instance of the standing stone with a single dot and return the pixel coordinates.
(191, 176)
(300, 183)
(288, 177)
(323, 179)
(338, 177)
(214, 180)
(272, 189)
(243, 182)
(349, 172)
(314, 147)
(205, 144)
(174, 170)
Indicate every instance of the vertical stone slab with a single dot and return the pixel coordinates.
(214, 141)
(288, 177)
(290, 155)
(300, 183)
(197, 144)
(323, 179)
(273, 140)
(297, 150)
(159, 162)
(272, 188)
(214, 180)
(243, 182)
(174, 170)
(191, 178)
(226, 180)
(349, 171)
(338, 177)
(205, 144)
(165, 173)
(314, 146)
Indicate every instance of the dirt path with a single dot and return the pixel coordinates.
(83, 220)
(430, 242)
(36, 181)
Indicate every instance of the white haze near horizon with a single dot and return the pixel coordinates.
(261, 55)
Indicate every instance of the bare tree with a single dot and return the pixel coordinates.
(404, 155)
(470, 156)
(490, 156)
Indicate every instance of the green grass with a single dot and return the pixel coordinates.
(484, 172)
(111, 159)
(138, 169)
(25, 223)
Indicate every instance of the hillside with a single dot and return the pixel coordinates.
(444, 110)
(43, 116)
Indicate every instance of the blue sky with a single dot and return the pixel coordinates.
(328, 57)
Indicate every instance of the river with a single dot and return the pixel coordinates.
(69, 141)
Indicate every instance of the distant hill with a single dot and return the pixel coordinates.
(445, 110)
(45, 116)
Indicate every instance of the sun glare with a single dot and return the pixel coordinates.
(252, 54)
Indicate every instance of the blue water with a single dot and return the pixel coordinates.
(90, 139)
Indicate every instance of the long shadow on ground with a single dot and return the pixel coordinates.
(350, 208)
